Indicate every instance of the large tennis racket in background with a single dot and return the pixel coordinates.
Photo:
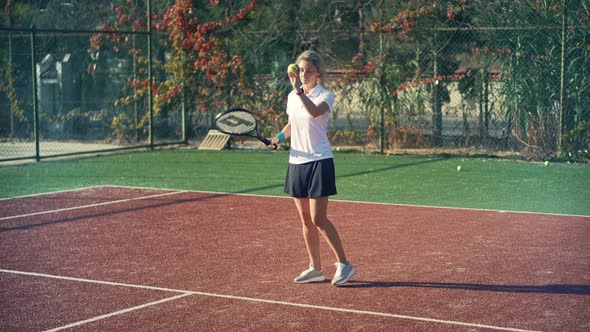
(241, 122)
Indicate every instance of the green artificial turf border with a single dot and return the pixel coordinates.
(496, 184)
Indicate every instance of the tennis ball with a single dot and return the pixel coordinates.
(546, 162)
(459, 168)
(293, 68)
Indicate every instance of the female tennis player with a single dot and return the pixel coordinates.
(310, 176)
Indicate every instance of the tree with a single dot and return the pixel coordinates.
(533, 68)
(196, 67)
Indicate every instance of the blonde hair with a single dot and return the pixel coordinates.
(315, 58)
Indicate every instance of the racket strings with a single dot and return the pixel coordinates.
(236, 123)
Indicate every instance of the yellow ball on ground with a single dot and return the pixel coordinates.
(546, 163)
(459, 168)
(293, 68)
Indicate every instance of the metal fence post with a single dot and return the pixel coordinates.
(35, 102)
(381, 84)
(150, 78)
(135, 108)
(436, 133)
(10, 68)
(562, 74)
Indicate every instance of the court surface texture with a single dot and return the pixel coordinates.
(140, 259)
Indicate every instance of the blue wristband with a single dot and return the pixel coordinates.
(281, 137)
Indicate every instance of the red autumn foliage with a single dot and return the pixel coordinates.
(198, 58)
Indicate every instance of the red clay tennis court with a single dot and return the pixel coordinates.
(119, 258)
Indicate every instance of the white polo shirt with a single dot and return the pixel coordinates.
(309, 135)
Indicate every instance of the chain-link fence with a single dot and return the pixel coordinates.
(463, 75)
(71, 84)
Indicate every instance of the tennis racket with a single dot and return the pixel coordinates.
(240, 122)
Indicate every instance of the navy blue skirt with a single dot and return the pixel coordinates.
(311, 180)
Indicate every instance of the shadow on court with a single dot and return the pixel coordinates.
(340, 176)
(189, 200)
(112, 212)
(545, 289)
(388, 168)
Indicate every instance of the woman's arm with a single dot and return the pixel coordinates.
(286, 131)
(313, 109)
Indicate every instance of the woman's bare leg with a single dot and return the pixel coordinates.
(318, 209)
(310, 232)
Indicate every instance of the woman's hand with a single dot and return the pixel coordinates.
(273, 143)
(295, 82)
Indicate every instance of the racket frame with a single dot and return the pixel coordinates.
(249, 134)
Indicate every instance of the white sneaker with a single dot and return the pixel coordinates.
(343, 273)
(310, 275)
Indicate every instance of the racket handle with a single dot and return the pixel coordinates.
(267, 142)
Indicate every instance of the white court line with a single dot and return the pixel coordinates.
(91, 205)
(120, 312)
(51, 192)
(184, 293)
(91, 281)
(365, 202)
(363, 312)
(285, 197)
